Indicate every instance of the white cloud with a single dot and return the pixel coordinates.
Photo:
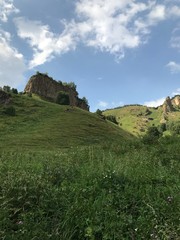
(102, 104)
(108, 26)
(12, 64)
(158, 13)
(174, 67)
(6, 8)
(176, 92)
(155, 103)
(45, 44)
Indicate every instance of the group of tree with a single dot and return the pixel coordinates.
(8, 89)
(110, 118)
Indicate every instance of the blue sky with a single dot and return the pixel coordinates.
(117, 52)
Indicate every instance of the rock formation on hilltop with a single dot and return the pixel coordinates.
(176, 101)
(167, 106)
(46, 87)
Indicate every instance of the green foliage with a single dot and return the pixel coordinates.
(84, 99)
(162, 127)
(10, 110)
(152, 135)
(174, 127)
(63, 98)
(71, 85)
(112, 118)
(99, 112)
(7, 89)
(14, 91)
(118, 191)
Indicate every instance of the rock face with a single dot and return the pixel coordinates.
(176, 101)
(167, 105)
(4, 97)
(46, 87)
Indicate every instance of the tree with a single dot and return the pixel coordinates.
(111, 118)
(63, 98)
(71, 85)
(84, 99)
(14, 90)
(7, 89)
(152, 135)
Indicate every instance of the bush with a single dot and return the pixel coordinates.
(14, 90)
(174, 127)
(162, 127)
(11, 111)
(63, 98)
(152, 135)
(99, 112)
(111, 118)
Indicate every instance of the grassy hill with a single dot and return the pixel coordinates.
(40, 124)
(68, 174)
(136, 119)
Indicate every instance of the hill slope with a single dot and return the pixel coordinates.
(136, 118)
(40, 124)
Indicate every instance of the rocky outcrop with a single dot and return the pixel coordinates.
(176, 101)
(167, 106)
(4, 97)
(46, 87)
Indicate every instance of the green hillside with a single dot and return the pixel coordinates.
(136, 118)
(40, 124)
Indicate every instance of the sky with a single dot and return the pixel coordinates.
(117, 52)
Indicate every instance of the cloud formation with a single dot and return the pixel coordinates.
(155, 103)
(12, 64)
(45, 44)
(174, 67)
(108, 26)
(6, 8)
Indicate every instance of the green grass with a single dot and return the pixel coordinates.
(135, 120)
(40, 124)
(127, 191)
(69, 175)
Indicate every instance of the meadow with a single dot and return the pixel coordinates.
(108, 191)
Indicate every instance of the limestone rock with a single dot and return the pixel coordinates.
(176, 101)
(46, 87)
(167, 106)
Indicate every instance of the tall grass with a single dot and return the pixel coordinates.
(128, 191)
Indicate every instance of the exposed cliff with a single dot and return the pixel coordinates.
(46, 87)
(176, 101)
(167, 106)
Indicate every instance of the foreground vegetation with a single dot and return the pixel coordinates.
(119, 191)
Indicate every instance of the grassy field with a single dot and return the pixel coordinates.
(66, 174)
(136, 119)
(105, 192)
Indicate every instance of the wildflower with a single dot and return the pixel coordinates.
(169, 199)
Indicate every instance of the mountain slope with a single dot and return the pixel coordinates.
(39, 124)
(136, 119)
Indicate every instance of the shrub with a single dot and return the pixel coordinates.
(7, 89)
(152, 135)
(14, 90)
(174, 127)
(162, 127)
(111, 118)
(63, 98)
